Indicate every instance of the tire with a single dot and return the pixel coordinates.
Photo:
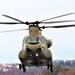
(51, 67)
(24, 69)
(48, 66)
(19, 66)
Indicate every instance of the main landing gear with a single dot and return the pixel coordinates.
(23, 67)
(50, 66)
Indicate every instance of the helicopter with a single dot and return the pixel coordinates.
(35, 47)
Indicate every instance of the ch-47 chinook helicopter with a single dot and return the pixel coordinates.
(35, 47)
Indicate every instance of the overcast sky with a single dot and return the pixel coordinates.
(32, 10)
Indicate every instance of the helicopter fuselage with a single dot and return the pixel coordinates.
(34, 55)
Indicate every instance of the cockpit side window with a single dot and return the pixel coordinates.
(27, 40)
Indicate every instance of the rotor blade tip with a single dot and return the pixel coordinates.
(73, 13)
(2, 14)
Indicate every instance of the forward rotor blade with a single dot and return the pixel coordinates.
(57, 16)
(10, 23)
(13, 30)
(13, 18)
(62, 26)
(57, 21)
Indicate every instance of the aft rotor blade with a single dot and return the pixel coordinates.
(62, 26)
(13, 18)
(58, 16)
(13, 30)
(58, 21)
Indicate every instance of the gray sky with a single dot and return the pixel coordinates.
(31, 10)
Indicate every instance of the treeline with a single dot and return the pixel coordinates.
(60, 67)
(67, 63)
(63, 70)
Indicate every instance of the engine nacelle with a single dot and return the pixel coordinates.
(49, 43)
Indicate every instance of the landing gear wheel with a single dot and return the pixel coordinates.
(19, 66)
(24, 69)
(50, 66)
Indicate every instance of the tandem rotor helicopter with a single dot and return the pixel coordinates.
(35, 47)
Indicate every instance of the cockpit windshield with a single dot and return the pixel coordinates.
(37, 40)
